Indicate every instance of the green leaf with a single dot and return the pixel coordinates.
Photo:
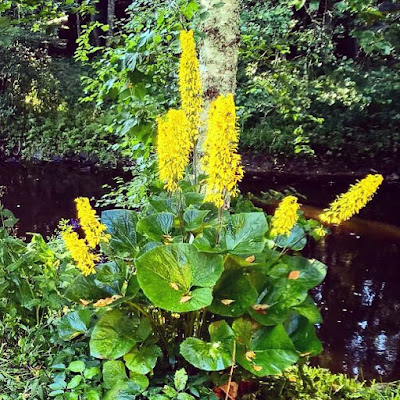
(86, 288)
(127, 390)
(74, 382)
(114, 335)
(263, 351)
(141, 380)
(133, 287)
(142, 360)
(71, 395)
(245, 233)
(185, 396)
(206, 356)
(206, 242)
(180, 379)
(113, 372)
(157, 225)
(309, 310)
(311, 272)
(297, 239)
(280, 294)
(56, 392)
(177, 277)
(77, 366)
(298, 4)
(233, 293)
(214, 356)
(93, 395)
(91, 372)
(304, 337)
(163, 204)
(121, 224)
(194, 219)
(74, 324)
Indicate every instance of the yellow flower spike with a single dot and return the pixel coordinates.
(173, 148)
(221, 161)
(189, 83)
(351, 202)
(285, 216)
(94, 230)
(80, 252)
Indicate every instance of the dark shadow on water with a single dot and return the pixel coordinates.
(40, 195)
(360, 298)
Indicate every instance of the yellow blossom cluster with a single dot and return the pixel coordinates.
(221, 161)
(189, 84)
(285, 216)
(80, 252)
(93, 229)
(173, 148)
(351, 202)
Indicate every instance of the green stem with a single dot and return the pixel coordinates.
(219, 226)
(153, 322)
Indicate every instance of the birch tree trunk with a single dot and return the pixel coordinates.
(218, 54)
(110, 17)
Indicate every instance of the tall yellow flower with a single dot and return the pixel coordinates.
(173, 148)
(351, 202)
(94, 230)
(190, 84)
(285, 216)
(80, 252)
(221, 162)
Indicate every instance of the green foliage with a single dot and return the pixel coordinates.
(322, 79)
(40, 116)
(175, 270)
(77, 380)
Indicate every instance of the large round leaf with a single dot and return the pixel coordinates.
(74, 324)
(302, 332)
(121, 224)
(213, 356)
(279, 295)
(233, 294)
(304, 272)
(309, 310)
(194, 219)
(143, 359)
(296, 240)
(178, 277)
(206, 356)
(263, 351)
(156, 226)
(114, 335)
(113, 372)
(245, 233)
(128, 389)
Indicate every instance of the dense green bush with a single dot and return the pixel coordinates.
(40, 115)
(302, 88)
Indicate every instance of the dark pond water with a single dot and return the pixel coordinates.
(360, 299)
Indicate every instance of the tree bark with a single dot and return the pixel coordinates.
(218, 55)
(111, 16)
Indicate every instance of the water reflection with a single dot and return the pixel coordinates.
(41, 194)
(359, 299)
